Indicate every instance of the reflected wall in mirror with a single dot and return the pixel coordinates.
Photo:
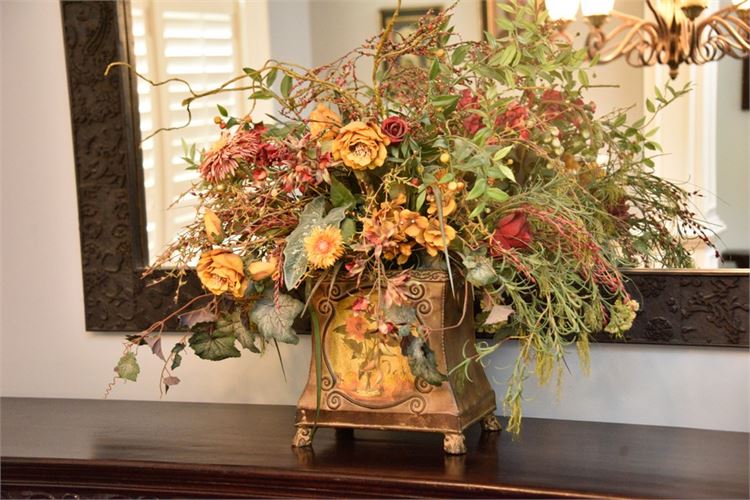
(705, 136)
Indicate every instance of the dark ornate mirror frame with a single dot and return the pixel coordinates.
(681, 307)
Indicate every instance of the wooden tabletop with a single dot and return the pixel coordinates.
(221, 450)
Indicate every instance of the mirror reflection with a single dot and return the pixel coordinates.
(705, 136)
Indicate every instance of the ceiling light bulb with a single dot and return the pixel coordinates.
(562, 10)
(597, 7)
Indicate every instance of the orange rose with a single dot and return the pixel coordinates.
(361, 146)
(221, 271)
(261, 269)
(324, 123)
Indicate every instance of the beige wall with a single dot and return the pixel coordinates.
(46, 352)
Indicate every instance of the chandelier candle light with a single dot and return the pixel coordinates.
(679, 34)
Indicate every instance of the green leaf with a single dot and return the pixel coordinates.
(583, 77)
(422, 360)
(271, 76)
(497, 194)
(222, 110)
(348, 229)
(127, 368)
(286, 86)
(434, 69)
(444, 101)
(420, 199)
(459, 55)
(480, 186)
(213, 344)
(177, 358)
(478, 210)
(275, 319)
(650, 106)
(506, 171)
(261, 95)
(502, 153)
(340, 194)
(252, 73)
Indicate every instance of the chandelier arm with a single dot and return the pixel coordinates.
(724, 35)
(641, 39)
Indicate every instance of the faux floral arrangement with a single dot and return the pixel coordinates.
(488, 163)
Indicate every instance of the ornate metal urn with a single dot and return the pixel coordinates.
(379, 391)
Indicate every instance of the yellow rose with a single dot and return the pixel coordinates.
(361, 146)
(261, 269)
(324, 123)
(212, 225)
(221, 271)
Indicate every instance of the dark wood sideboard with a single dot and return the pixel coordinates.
(125, 449)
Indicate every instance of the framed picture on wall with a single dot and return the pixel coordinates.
(405, 26)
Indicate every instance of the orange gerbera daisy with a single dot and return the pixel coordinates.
(324, 246)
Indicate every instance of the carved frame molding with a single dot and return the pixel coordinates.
(679, 307)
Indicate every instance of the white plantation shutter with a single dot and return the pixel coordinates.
(197, 41)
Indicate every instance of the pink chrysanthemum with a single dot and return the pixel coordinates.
(221, 161)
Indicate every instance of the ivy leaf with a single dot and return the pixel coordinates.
(340, 194)
(479, 270)
(498, 314)
(275, 320)
(177, 358)
(169, 382)
(401, 315)
(422, 360)
(214, 345)
(295, 258)
(232, 324)
(200, 315)
(127, 368)
(154, 342)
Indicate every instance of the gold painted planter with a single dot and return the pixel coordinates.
(386, 395)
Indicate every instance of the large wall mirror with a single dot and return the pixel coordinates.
(125, 189)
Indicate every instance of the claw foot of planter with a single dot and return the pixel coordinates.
(454, 443)
(303, 437)
(490, 423)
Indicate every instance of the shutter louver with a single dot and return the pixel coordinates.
(196, 41)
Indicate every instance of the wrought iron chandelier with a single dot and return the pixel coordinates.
(679, 34)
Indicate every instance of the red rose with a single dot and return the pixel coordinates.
(512, 231)
(468, 100)
(395, 128)
(473, 123)
(514, 118)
